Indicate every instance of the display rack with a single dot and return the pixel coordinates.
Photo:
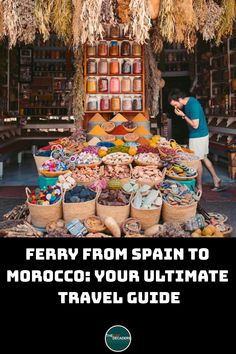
(174, 61)
(109, 75)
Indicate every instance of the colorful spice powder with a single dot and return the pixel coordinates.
(143, 141)
(97, 130)
(119, 118)
(142, 131)
(97, 118)
(119, 130)
(119, 142)
(140, 118)
(93, 141)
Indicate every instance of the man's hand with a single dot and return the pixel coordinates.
(179, 112)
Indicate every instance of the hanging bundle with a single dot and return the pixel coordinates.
(213, 17)
(152, 81)
(140, 23)
(156, 39)
(107, 13)
(42, 12)
(154, 8)
(167, 20)
(76, 22)
(227, 20)
(184, 17)
(200, 13)
(123, 11)
(78, 90)
(61, 19)
(1, 20)
(92, 28)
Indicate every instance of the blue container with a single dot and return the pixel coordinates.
(191, 184)
(47, 181)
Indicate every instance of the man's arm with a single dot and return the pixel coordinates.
(194, 123)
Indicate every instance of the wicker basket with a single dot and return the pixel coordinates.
(79, 211)
(108, 130)
(39, 161)
(129, 162)
(148, 217)
(178, 213)
(89, 166)
(178, 178)
(108, 138)
(131, 138)
(53, 174)
(118, 213)
(130, 130)
(41, 215)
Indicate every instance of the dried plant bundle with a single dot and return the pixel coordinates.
(61, 18)
(214, 14)
(107, 12)
(200, 13)
(42, 12)
(123, 11)
(78, 89)
(76, 22)
(92, 28)
(140, 23)
(167, 20)
(156, 39)
(2, 32)
(227, 20)
(184, 18)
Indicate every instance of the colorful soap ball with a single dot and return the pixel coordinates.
(46, 196)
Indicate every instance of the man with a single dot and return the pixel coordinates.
(198, 132)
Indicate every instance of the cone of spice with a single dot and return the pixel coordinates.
(119, 130)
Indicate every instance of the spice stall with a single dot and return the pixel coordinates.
(113, 176)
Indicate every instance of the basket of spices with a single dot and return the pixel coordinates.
(131, 137)
(108, 126)
(108, 138)
(130, 126)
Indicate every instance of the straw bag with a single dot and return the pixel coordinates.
(147, 217)
(39, 161)
(41, 215)
(79, 211)
(118, 213)
(179, 213)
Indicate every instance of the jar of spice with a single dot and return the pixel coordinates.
(125, 48)
(137, 103)
(114, 67)
(92, 66)
(126, 67)
(103, 84)
(92, 104)
(103, 67)
(137, 66)
(102, 49)
(115, 32)
(114, 49)
(105, 103)
(115, 85)
(115, 103)
(127, 103)
(125, 85)
(91, 51)
(91, 85)
(137, 50)
(137, 84)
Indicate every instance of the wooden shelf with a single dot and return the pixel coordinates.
(115, 112)
(115, 57)
(114, 75)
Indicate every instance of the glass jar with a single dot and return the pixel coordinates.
(125, 49)
(115, 85)
(114, 49)
(91, 50)
(102, 49)
(114, 67)
(115, 103)
(137, 50)
(126, 67)
(137, 66)
(137, 84)
(92, 66)
(92, 104)
(103, 84)
(127, 103)
(105, 103)
(125, 85)
(137, 103)
(91, 85)
(103, 67)
(115, 31)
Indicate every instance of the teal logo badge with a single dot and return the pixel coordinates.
(117, 338)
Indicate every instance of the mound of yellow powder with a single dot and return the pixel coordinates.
(97, 130)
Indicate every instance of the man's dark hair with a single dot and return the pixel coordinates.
(175, 94)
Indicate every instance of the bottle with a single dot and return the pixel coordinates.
(103, 67)
(125, 48)
(137, 103)
(92, 104)
(105, 103)
(136, 50)
(92, 66)
(114, 49)
(137, 66)
(103, 84)
(115, 85)
(125, 85)
(91, 51)
(114, 67)
(137, 84)
(115, 31)
(102, 49)
(115, 103)
(91, 85)
(127, 103)
(126, 67)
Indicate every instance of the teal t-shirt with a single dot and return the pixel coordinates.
(194, 110)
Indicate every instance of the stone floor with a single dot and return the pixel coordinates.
(17, 177)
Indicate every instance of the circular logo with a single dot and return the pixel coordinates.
(117, 338)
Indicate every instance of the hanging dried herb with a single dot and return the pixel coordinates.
(78, 89)
(76, 22)
(123, 11)
(214, 14)
(190, 40)
(61, 18)
(43, 11)
(152, 81)
(1, 20)
(200, 13)
(107, 13)
(18, 21)
(140, 23)
(92, 28)
(167, 20)
(184, 17)
(156, 39)
(227, 20)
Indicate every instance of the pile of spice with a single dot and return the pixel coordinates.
(113, 198)
(118, 118)
(97, 130)
(142, 131)
(119, 130)
(146, 149)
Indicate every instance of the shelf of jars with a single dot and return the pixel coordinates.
(114, 79)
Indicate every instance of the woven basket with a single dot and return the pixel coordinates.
(178, 178)
(79, 211)
(155, 182)
(53, 174)
(90, 166)
(41, 215)
(118, 213)
(130, 130)
(129, 139)
(178, 213)
(129, 162)
(39, 161)
(147, 217)
(141, 163)
(108, 130)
